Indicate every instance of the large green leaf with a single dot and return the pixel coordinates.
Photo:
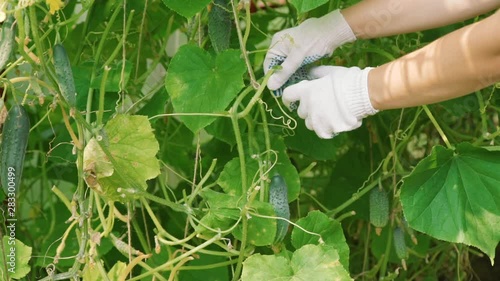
(311, 262)
(303, 6)
(186, 8)
(122, 158)
(454, 195)
(330, 230)
(200, 83)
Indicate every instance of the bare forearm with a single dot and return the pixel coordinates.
(378, 18)
(452, 66)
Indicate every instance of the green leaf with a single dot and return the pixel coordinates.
(311, 262)
(230, 177)
(270, 268)
(222, 212)
(16, 257)
(186, 8)
(261, 231)
(455, 196)
(330, 230)
(219, 273)
(114, 77)
(303, 6)
(200, 83)
(122, 158)
(308, 143)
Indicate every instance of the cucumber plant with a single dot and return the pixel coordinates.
(179, 162)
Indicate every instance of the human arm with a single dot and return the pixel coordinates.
(379, 18)
(319, 37)
(454, 65)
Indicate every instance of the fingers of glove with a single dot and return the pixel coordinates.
(322, 126)
(292, 62)
(322, 71)
(303, 110)
(294, 93)
(309, 124)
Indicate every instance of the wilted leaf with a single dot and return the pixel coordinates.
(16, 258)
(124, 159)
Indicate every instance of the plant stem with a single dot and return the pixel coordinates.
(102, 94)
(243, 48)
(438, 128)
(171, 262)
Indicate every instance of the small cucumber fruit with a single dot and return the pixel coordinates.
(379, 208)
(278, 197)
(7, 34)
(219, 25)
(400, 244)
(14, 142)
(64, 75)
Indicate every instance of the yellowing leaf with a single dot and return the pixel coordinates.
(54, 5)
(119, 161)
(15, 259)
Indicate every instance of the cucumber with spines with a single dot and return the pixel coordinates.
(14, 142)
(219, 25)
(64, 75)
(379, 208)
(400, 244)
(278, 197)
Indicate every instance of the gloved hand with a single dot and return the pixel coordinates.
(335, 101)
(298, 46)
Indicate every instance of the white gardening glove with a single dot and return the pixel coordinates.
(335, 101)
(298, 46)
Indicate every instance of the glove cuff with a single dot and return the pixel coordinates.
(339, 31)
(359, 99)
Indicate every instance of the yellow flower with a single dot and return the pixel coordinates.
(55, 5)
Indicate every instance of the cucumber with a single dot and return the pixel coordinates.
(219, 25)
(379, 208)
(7, 35)
(278, 197)
(400, 244)
(64, 75)
(14, 142)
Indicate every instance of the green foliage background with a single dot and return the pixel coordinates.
(161, 170)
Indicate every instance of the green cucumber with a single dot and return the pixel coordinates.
(219, 25)
(278, 197)
(7, 42)
(379, 208)
(14, 142)
(64, 75)
(400, 244)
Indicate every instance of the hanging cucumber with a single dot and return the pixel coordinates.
(278, 197)
(400, 244)
(219, 25)
(14, 142)
(64, 75)
(7, 42)
(379, 208)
